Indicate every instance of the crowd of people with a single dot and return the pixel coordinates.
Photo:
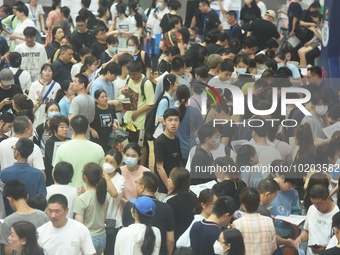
(109, 126)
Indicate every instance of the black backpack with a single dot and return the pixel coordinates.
(150, 127)
(16, 77)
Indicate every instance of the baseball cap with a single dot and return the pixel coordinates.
(144, 205)
(271, 13)
(6, 77)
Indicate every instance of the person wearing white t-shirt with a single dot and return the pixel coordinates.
(62, 176)
(33, 54)
(265, 149)
(17, 36)
(62, 235)
(23, 128)
(318, 223)
(24, 77)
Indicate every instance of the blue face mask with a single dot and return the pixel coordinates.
(52, 114)
(159, 5)
(131, 47)
(242, 70)
(113, 49)
(216, 143)
(261, 68)
(131, 162)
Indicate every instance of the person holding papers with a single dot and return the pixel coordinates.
(285, 203)
(59, 125)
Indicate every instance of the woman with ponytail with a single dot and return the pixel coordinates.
(91, 207)
(139, 238)
(190, 121)
(165, 100)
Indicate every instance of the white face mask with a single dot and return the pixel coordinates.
(321, 109)
(218, 248)
(108, 168)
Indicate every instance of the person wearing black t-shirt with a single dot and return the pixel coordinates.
(167, 150)
(7, 90)
(205, 233)
(235, 30)
(206, 18)
(163, 219)
(294, 15)
(264, 29)
(83, 37)
(104, 122)
(100, 45)
(249, 12)
(174, 7)
(210, 139)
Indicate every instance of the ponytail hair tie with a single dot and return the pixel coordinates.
(183, 100)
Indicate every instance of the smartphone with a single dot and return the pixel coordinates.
(315, 246)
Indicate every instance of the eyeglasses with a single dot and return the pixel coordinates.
(13, 148)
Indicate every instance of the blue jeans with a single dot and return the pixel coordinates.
(99, 242)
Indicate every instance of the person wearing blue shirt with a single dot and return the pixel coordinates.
(285, 203)
(104, 81)
(33, 178)
(170, 85)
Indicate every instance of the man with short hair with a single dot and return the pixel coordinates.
(62, 65)
(222, 43)
(266, 150)
(206, 19)
(214, 62)
(268, 189)
(167, 150)
(205, 233)
(16, 194)
(318, 223)
(23, 128)
(62, 176)
(104, 82)
(264, 29)
(314, 76)
(33, 54)
(83, 37)
(79, 151)
(163, 219)
(258, 231)
(140, 89)
(23, 172)
(249, 47)
(235, 30)
(82, 104)
(210, 139)
(62, 235)
(7, 90)
(100, 45)
(222, 77)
